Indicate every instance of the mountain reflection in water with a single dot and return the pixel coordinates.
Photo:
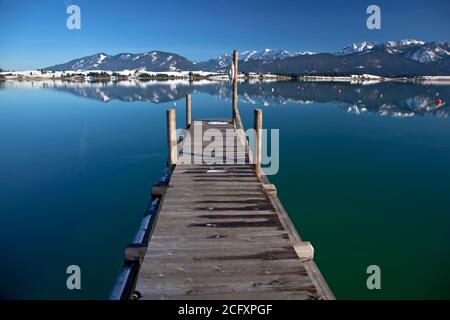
(384, 98)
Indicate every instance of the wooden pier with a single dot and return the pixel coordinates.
(217, 230)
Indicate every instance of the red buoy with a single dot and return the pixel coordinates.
(438, 102)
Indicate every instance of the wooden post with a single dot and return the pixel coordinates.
(304, 250)
(188, 111)
(258, 140)
(235, 64)
(172, 137)
(235, 85)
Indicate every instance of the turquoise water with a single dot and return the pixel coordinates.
(364, 176)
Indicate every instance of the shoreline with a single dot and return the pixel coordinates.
(168, 77)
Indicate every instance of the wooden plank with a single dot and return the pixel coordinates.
(243, 285)
(284, 295)
(242, 267)
(223, 234)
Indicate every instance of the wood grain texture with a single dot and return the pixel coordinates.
(222, 234)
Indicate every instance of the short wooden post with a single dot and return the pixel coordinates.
(304, 250)
(235, 85)
(258, 139)
(135, 253)
(172, 137)
(188, 111)
(270, 189)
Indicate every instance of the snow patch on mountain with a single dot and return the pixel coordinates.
(409, 48)
(430, 52)
(223, 63)
(357, 47)
(406, 42)
(266, 54)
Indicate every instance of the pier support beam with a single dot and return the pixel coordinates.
(258, 140)
(188, 111)
(172, 137)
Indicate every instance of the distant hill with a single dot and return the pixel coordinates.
(152, 61)
(393, 58)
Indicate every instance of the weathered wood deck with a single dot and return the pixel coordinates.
(222, 233)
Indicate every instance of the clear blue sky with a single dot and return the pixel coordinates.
(33, 33)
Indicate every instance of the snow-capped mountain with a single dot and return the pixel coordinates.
(389, 46)
(408, 48)
(151, 61)
(429, 52)
(405, 42)
(392, 58)
(223, 62)
(165, 61)
(270, 54)
(357, 47)
(219, 64)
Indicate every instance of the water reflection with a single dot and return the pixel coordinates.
(385, 98)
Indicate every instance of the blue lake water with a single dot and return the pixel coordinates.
(364, 176)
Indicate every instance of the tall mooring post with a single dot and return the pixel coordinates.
(172, 137)
(188, 111)
(235, 85)
(258, 140)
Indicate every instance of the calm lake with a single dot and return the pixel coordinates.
(364, 175)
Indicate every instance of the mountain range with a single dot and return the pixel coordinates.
(392, 58)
